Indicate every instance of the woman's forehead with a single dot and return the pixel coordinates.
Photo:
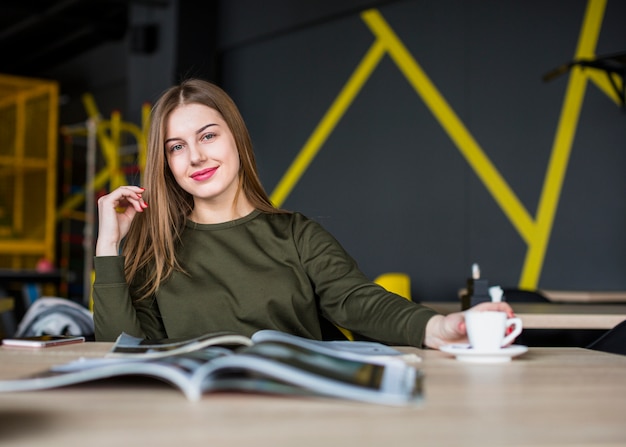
(192, 116)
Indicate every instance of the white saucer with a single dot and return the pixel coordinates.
(465, 353)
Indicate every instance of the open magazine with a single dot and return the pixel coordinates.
(127, 346)
(268, 362)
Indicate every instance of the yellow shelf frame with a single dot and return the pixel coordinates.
(22, 154)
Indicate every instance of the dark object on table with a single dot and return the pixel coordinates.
(613, 341)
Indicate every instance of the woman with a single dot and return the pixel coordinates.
(211, 252)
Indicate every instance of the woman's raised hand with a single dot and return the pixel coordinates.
(116, 211)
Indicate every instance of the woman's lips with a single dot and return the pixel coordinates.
(204, 174)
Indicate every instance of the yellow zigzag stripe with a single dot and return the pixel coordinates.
(535, 233)
(561, 150)
(327, 124)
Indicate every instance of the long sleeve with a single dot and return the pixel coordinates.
(263, 271)
(114, 311)
(349, 299)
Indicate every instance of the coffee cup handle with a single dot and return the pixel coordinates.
(516, 323)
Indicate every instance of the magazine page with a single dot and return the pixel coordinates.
(278, 367)
(128, 346)
(175, 370)
(345, 348)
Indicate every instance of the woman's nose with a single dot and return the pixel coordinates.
(196, 154)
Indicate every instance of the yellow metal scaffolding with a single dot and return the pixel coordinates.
(28, 171)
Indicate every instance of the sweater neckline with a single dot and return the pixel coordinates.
(223, 225)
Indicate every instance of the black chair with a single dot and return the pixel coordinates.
(524, 296)
(613, 340)
(548, 337)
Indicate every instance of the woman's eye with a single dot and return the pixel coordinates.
(176, 147)
(208, 136)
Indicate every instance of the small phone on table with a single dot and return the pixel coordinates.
(42, 341)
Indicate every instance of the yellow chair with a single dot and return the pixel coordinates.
(394, 282)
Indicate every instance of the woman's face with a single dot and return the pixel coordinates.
(202, 154)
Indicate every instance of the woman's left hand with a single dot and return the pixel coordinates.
(447, 329)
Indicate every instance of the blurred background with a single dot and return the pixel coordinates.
(425, 135)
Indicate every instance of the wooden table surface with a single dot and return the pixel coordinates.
(555, 315)
(548, 396)
(584, 296)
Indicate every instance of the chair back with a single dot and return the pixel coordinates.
(396, 282)
(613, 340)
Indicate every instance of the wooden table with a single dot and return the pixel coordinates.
(555, 315)
(584, 296)
(548, 396)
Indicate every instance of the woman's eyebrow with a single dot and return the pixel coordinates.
(202, 129)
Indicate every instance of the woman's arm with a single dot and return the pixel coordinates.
(114, 310)
(351, 300)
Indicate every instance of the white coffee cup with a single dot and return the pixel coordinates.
(487, 330)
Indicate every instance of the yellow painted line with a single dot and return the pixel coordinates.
(327, 124)
(566, 131)
(469, 148)
(557, 167)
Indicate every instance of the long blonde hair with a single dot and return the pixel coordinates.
(150, 245)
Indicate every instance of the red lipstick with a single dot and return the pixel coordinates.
(204, 174)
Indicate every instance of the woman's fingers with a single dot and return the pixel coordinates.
(123, 197)
(501, 306)
(116, 211)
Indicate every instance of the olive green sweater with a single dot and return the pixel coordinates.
(263, 271)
